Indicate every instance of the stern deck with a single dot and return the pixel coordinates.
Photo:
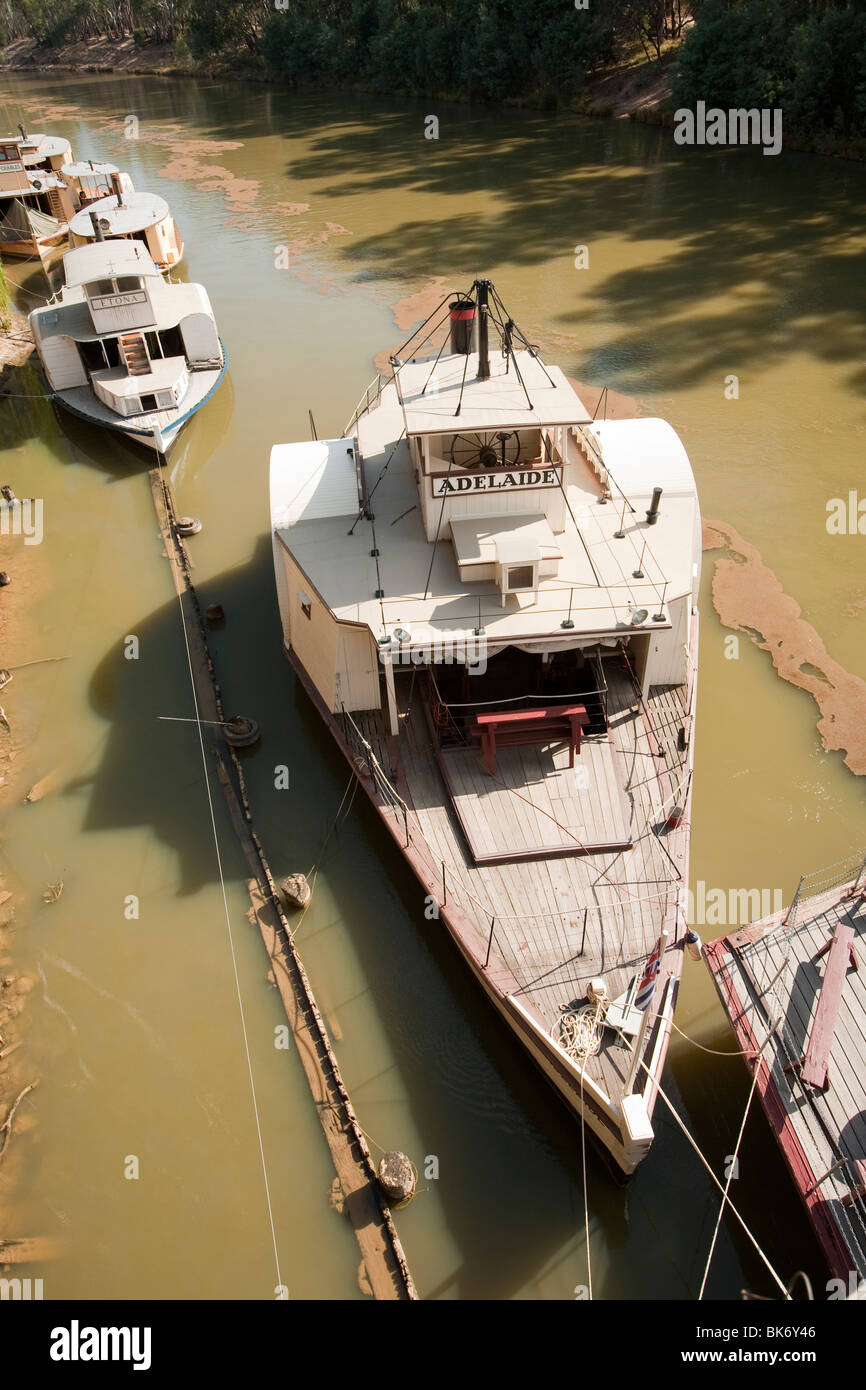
(561, 920)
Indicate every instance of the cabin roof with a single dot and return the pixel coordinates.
(38, 147)
(500, 402)
(80, 168)
(104, 259)
(139, 211)
(421, 583)
(321, 480)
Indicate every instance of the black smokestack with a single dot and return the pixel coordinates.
(482, 288)
(23, 131)
(97, 230)
(115, 181)
(652, 515)
(462, 324)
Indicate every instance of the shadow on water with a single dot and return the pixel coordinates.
(499, 1132)
(748, 256)
(738, 257)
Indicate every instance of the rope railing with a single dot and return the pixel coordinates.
(365, 403)
(850, 869)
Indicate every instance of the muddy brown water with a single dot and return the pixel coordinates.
(308, 219)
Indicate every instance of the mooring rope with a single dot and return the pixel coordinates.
(733, 1163)
(706, 1163)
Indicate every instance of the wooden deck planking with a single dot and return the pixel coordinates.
(848, 1043)
(827, 1124)
(532, 937)
(537, 805)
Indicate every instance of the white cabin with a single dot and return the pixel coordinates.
(520, 516)
(124, 331)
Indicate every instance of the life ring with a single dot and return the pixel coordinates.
(187, 526)
(441, 714)
(241, 732)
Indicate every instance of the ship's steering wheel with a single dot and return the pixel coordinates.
(482, 450)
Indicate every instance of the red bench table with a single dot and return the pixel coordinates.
(545, 724)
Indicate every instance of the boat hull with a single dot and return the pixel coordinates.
(32, 246)
(159, 440)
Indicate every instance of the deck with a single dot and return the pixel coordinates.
(772, 971)
(560, 810)
(561, 921)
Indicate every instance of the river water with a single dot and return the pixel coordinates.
(308, 219)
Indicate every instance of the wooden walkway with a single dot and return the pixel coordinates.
(563, 921)
(537, 806)
(770, 973)
(383, 1271)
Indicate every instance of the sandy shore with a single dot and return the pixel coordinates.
(92, 55)
(17, 1070)
(16, 345)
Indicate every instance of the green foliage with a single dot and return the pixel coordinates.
(809, 59)
(487, 50)
(807, 56)
(180, 53)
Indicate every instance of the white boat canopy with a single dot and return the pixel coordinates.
(137, 212)
(498, 403)
(106, 260)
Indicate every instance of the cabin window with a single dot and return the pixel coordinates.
(9, 152)
(148, 402)
(125, 283)
(306, 604)
(519, 577)
(154, 346)
(111, 347)
(100, 287)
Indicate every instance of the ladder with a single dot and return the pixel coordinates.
(134, 354)
(56, 205)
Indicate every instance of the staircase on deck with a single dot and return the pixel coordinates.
(134, 354)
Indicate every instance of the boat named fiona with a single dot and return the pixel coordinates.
(126, 349)
(491, 599)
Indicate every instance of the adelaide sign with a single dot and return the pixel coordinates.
(443, 486)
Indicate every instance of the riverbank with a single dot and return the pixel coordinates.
(634, 87)
(17, 737)
(16, 344)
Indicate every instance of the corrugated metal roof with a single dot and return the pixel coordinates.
(313, 480)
